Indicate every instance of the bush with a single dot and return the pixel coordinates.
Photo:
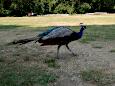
(4, 12)
(64, 8)
(83, 8)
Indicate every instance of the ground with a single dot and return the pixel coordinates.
(94, 58)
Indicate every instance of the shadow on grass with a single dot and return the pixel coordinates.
(9, 27)
(92, 33)
(21, 27)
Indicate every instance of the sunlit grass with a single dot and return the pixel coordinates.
(56, 20)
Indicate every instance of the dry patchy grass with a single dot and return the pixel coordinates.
(70, 20)
(98, 77)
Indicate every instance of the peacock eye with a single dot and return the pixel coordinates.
(84, 27)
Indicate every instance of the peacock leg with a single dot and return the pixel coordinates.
(58, 51)
(70, 50)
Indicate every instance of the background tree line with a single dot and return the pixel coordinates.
(22, 7)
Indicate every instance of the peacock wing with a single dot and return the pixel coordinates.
(58, 32)
(46, 32)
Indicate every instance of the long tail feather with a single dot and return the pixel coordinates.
(23, 41)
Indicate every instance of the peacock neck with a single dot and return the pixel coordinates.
(81, 30)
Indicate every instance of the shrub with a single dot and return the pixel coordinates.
(64, 8)
(83, 8)
(4, 12)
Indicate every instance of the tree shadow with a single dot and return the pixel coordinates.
(9, 27)
(92, 33)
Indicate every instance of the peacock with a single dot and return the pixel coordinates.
(59, 35)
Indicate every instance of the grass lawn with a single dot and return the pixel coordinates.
(98, 77)
(30, 65)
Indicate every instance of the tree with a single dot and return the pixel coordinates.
(22, 7)
(102, 5)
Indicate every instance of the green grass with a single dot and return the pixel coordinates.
(97, 45)
(112, 51)
(100, 33)
(21, 76)
(19, 66)
(2, 60)
(51, 63)
(15, 72)
(98, 77)
(92, 33)
(97, 33)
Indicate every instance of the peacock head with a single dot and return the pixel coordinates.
(82, 26)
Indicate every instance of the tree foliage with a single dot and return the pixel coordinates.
(22, 7)
(83, 8)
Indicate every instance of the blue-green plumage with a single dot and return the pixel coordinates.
(47, 32)
(60, 36)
